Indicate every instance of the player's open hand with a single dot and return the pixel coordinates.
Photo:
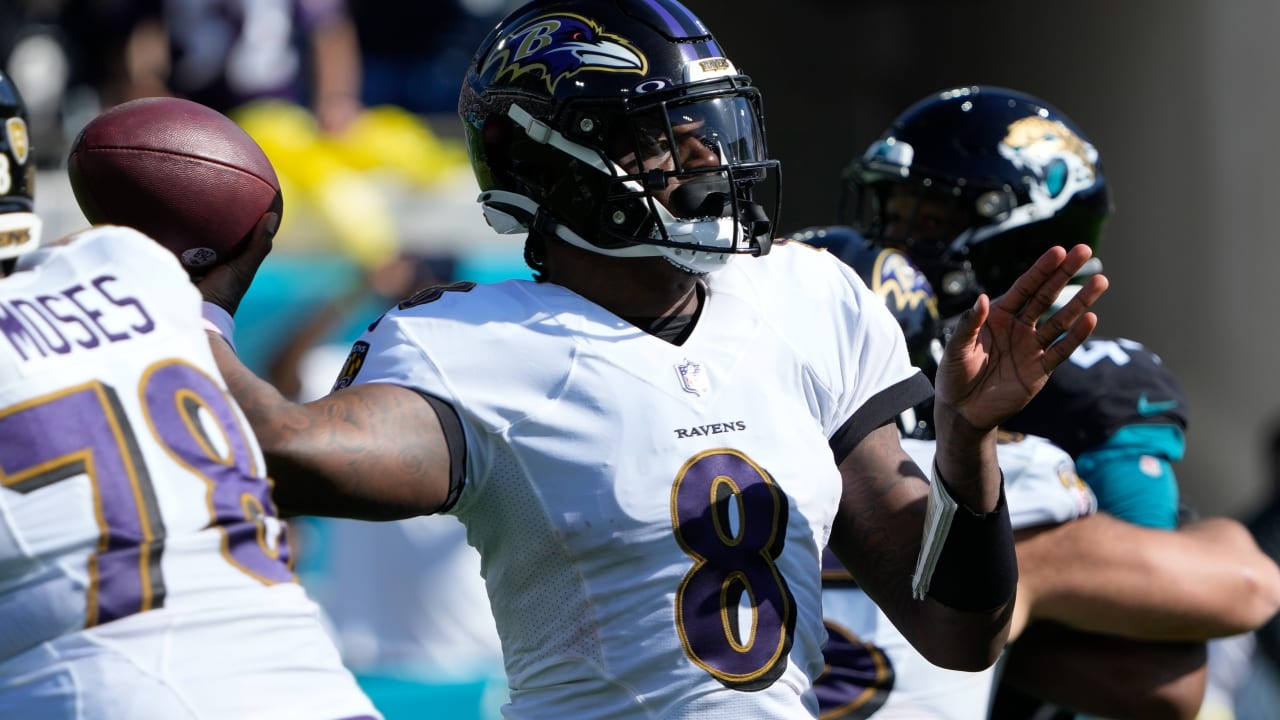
(226, 284)
(1003, 351)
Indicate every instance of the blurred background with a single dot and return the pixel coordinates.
(1176, 96)
(354, 103)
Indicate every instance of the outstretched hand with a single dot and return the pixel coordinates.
(1003, 351)
(226, 284)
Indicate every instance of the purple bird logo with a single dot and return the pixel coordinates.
(559, 47)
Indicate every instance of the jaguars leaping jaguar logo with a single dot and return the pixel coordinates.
(560, 46)
(1062, 162)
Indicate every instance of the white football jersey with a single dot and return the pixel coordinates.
(143, 570)
(875, 672)
(650, 516)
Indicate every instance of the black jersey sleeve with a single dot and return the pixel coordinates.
(1107, 384)
(879, 410)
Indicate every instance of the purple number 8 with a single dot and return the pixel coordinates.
(732, 566)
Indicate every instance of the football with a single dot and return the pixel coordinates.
(179, 171)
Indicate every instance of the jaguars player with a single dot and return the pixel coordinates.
(1069, 569)
(143, 571)
(973, 183)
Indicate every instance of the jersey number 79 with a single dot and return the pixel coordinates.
(84, 430)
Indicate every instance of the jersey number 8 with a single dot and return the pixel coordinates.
(731, 518)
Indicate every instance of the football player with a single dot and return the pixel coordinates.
(651, 442)
(143, 570)
(1210, 579)
(973, 183)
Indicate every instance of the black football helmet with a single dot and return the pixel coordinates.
(905, 290)
(620, 127)
(975, 183)
(19, 226)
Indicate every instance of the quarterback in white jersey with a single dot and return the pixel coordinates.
(651, 442)
(692, 642)
(872, 671)
(143, 571)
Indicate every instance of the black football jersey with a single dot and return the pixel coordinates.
(1107, 384)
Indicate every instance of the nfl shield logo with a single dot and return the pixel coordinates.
(692, 379)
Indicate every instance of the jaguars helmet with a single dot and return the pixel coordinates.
(19, 226)
(975, 183)
(891, 275)
(620, 127)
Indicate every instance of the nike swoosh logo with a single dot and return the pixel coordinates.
(1147, 408)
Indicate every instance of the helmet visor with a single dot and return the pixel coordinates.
(691, 137)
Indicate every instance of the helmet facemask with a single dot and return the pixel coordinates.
(677, 175)
(697, 166)
(930, 221)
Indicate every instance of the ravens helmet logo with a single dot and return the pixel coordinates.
(561, 46)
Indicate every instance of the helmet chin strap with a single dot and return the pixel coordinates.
(712, 232)
(514, 214)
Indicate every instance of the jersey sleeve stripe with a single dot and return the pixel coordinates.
(881, 408)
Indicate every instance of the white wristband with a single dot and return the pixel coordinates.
(218, 320)
(937, 523)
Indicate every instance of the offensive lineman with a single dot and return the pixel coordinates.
(143, 571)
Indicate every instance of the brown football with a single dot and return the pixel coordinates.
(179, 171)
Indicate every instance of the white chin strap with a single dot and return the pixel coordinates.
(711, 232)
(19, 234)
(511, 213)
